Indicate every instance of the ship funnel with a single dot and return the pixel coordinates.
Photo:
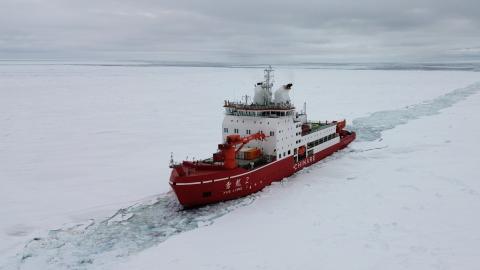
(281, 95)
(262, 95)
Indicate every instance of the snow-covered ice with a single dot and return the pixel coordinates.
(79, 142)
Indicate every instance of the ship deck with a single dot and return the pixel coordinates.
(208, 167)
(257, 107)
(317, 126)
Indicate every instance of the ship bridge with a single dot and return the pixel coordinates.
(268, 110)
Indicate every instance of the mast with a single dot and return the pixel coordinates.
(246, 99)
(268, 84)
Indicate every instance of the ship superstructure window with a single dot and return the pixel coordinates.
(225, 130)
(321, 140)
(249, 131)
(272, 133)
(235, 130)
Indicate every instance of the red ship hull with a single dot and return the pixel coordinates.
(221, 185)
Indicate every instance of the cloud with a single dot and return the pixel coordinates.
(240, 31)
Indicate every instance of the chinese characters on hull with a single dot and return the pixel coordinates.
(234, 186)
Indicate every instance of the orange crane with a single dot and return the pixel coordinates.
(228, 150)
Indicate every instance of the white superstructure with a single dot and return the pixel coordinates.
(288, 132)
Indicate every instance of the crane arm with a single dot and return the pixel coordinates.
(236, 139)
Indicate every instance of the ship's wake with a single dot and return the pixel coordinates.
(128, 231)
(141, 226)
(370, 128)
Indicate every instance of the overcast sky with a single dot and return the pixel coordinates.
(246, 31)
